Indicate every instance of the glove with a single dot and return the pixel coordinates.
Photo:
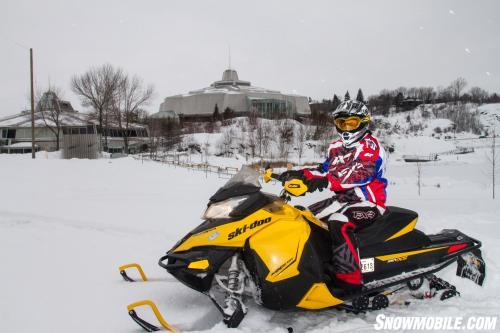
(291, 174)
(314, 184)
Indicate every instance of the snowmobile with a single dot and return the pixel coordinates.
(256, 245)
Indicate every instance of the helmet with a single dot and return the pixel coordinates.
(351, 120)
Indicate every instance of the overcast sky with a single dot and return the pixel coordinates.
(312, 48)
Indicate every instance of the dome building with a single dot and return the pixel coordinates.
(239, 96)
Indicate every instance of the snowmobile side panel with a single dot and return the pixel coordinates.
(288, 293)
(409, 227)
(412, 240)
(281, 247)
(404, 255)
(318, 297)
(235, 234)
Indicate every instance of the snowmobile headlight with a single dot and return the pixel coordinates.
(220, 210)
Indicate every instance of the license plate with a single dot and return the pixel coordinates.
(367, 265)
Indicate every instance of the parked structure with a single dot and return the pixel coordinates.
(237, 95)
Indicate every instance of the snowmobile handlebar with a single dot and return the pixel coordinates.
(293, 186)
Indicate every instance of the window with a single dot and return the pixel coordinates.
(11, 134)
(90, 129)
(75, 131)
(83, 130)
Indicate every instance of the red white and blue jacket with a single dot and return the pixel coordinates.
(355, 173)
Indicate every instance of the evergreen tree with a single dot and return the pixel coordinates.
(216, 114)
(360, 97)
(399, 99)
(336, 101)
(228, 113)
(347, 96)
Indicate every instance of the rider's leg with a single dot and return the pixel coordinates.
(345, 260)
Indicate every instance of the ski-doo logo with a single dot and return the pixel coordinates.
(246, 227)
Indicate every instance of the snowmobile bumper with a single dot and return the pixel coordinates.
(144, 324)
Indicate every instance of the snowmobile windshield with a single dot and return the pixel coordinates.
(245, 182)
(246, 176)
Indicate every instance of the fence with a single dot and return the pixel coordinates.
(420, 158)
(222, 172)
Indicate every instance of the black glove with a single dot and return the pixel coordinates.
(314, 184)
(291, 174)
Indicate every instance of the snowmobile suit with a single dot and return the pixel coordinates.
(356, 175)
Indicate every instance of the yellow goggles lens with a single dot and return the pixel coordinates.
(349, 123)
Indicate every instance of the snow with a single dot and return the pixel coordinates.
(420, 145)
(66, 226)
(490, 116)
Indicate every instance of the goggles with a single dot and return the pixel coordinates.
(350, 123)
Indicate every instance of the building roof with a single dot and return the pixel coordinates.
(67, 119)
(23, 119)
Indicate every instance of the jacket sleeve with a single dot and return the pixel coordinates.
(361, 171)
(318, 172)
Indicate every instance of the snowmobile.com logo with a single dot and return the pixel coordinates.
(475, 324)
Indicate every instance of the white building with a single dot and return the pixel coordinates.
(15, 130)
(238, 95)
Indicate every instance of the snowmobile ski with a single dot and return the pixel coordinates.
(123, 272)
(144, 324)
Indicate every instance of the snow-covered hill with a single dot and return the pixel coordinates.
(66, 225)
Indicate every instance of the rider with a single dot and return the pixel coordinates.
(354, 170)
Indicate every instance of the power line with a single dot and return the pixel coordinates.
(15, 42)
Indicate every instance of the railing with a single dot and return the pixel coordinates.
(222, 172)
(420, 158)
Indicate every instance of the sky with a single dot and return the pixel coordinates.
(310, 48)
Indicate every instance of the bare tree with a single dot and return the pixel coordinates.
(457, 86)
(300, 139)
(492, 159)
(252, 142)
(227, 139)
(419, 177)
(129, 97)
(478, 95)
(285, 135)
(97, 88)
(267, 137)
(50, 110)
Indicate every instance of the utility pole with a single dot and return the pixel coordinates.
(493, 147)
(32, 107)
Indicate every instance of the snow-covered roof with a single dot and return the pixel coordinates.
(23, 119)
(67, 119)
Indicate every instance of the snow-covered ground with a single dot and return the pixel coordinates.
(66, 226)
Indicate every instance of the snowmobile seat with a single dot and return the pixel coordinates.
(392, 231)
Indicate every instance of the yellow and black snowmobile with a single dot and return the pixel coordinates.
(255, 244)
